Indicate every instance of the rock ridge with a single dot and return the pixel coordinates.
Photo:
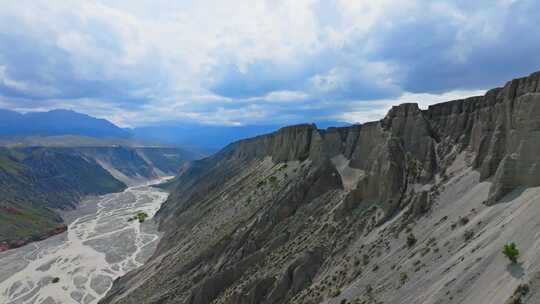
(295, 215)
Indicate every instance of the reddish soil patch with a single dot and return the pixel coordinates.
(9, 210)
(11, 244)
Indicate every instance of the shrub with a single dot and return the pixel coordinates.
(523, 289)
(369, 289)
(365, 259)
(403, 277)
(468, 235)
(56, 280)
(140, 216)
(511, 252)
(335, 293)
(411, 240)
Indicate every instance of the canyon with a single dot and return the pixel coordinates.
(39, 183)
(414, 208)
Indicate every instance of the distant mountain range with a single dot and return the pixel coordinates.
(69, 128)
(57, 122)
(208, 138)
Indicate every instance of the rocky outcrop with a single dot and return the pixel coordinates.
(285, 200)
(297, 276)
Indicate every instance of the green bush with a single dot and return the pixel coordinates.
(140, 216)
(511, 252)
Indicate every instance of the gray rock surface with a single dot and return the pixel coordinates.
(270, 220)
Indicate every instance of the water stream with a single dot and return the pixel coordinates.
(80, 265)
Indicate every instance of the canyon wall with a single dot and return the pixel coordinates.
(358, 214)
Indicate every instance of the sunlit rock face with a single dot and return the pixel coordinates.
(414, 208)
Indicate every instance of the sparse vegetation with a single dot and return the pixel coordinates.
(511, 252)
(365, 259)
(521, 291)
(468, 235)
(140, 216)
(369, 289)
(335, 293)
(411, 240)
(273, 181)
(463, 221)
(403, 278)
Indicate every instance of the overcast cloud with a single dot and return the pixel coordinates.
(258, 61)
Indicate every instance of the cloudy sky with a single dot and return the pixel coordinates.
(258, 61)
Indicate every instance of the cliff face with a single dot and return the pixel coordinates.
(364, 213)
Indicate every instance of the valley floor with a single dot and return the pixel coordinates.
(79, 266)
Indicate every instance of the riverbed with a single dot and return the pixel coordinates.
(80, 265)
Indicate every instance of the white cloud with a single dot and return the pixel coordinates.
(23, 86)
(285, 96)
(139, 62)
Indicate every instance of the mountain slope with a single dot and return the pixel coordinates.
(37, 181)
(34, 182)
(414, 208)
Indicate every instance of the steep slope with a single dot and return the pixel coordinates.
(414, 208)
(36, 181)
(135, 164)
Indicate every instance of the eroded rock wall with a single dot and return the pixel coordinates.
(272, 219)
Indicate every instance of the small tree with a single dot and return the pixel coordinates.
(411, 240)
(511, 252)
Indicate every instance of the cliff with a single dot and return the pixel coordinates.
(413, 208)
